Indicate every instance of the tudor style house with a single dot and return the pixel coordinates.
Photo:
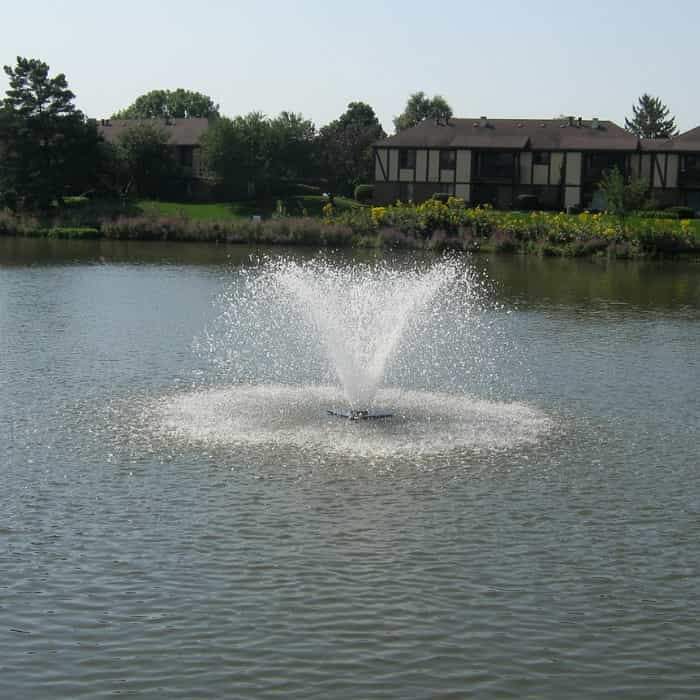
(561, 161)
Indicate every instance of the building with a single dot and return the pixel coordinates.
(560, 161)
(184, 141)
(674, 165)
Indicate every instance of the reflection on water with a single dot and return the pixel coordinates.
(524, 279)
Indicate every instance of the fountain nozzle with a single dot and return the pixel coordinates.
(359, 414)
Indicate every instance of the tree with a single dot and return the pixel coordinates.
(345, 147)
(237, 151)
(651, 119)
(419, 107)
(162, 104)
(144, 159)
(49, 146)
(291, 147)
(251, 154)
(622, 196)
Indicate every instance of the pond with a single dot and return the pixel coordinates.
(181, 518)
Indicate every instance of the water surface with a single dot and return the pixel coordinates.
(540, 541)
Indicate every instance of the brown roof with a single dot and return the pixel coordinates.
(693, 135)
(663, 145)
(516, 134)
(687, 141)
(183, 132)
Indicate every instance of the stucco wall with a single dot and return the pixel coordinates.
(525, 168)
(393, 164)
(672, 170)
(421, 164)
(464, 165)
(540, 174)
(379, 163)
(433, 166)
(573, 168)
(463, 191)
(572, 197)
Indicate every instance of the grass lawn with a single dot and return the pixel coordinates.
(310, 205)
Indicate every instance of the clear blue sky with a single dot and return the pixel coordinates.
(505, 58)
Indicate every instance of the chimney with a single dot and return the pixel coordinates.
(483, 122)
(595, 124)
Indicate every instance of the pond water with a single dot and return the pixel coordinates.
(179, 522)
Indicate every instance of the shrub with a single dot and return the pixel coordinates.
(682, 212)
(526, 202)
(655, 214)
(336, 235)
(394, 238)
(442, 197)
(503, 242)
(17, 225)
(364, 193)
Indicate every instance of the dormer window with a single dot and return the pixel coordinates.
(448, 159)
(540, 157)
(407, 159)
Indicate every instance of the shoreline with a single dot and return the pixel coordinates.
(431, 227)
(497, 243)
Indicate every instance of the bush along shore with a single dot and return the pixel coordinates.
(433, 225)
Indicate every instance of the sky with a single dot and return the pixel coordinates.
(588, 58)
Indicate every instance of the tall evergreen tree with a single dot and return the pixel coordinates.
(651, 120)
(420, 107)
(49, 146)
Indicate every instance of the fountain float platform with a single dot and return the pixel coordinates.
(359, 415)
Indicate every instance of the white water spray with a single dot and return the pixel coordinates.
(360, 315)
(293, 339)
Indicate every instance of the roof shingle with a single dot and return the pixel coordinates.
(515, 134)
(183, 132)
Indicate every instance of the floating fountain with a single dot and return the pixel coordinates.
(296, 345)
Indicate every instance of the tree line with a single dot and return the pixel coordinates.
(49, 149)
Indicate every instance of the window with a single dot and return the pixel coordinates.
(495, 164)
(540, 157)
(598, 163)
(691, 164)
(407, 159)
(448, 160)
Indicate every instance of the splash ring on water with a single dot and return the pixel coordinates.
(285, 416)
